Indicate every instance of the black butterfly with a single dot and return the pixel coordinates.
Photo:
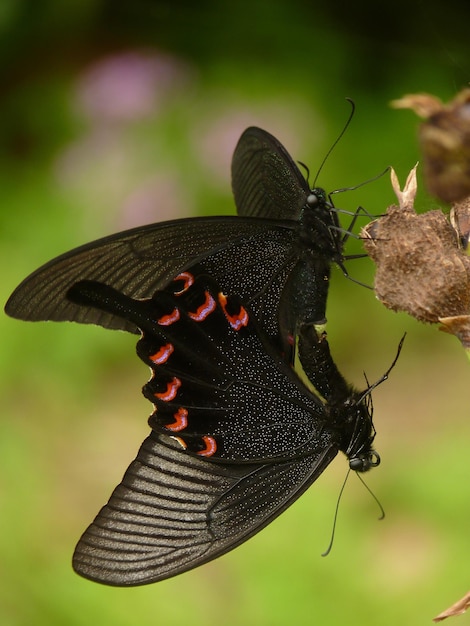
(236, 436)
(223, 304)
(276, 254)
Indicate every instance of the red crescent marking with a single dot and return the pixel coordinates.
(180, 441)
(188, 280)
(211, 446)
(162, 355)
(204, 310)
(181, 420)
(171, 390)
(167, 320)
(235, 321)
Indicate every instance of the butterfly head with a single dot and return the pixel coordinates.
(361, 434)
(359, 451)
(320, 227)
(364, 461)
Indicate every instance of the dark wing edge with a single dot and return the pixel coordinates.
(173, 512)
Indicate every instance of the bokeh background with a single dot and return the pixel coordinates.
(115, 114)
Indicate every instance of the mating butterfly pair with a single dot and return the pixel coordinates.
(224, 306)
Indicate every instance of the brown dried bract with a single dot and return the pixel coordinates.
(445, 143)
(460, 220)
(422, 268)
(456, 609)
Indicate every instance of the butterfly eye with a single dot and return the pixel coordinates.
(313, 200)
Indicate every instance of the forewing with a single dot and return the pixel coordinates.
(173, 512)
(265, 180)
(245, 252)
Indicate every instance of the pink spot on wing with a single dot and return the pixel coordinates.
(181, 420)
(188, 280)
(171, 318)
(211, 446)
(171, 390)
(163, 354)
(204, 310)
(239, 319)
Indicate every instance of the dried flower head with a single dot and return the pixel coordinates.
(422, 267)
(460, 220)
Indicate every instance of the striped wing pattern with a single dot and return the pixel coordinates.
(265, 180)
(173, 512)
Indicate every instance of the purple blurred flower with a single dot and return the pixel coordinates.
(128, 86)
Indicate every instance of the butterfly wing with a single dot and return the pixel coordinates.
(267, 183)
(173, 512)
(275, 255)
(240, 252)
(185, 501)
(265, 180)
(215, 374)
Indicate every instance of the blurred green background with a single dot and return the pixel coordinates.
(115, 114)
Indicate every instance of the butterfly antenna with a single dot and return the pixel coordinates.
(330, 545)
(307, 171)
(365, 182)
(382, 510)
(384, 377)
(348, 121)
